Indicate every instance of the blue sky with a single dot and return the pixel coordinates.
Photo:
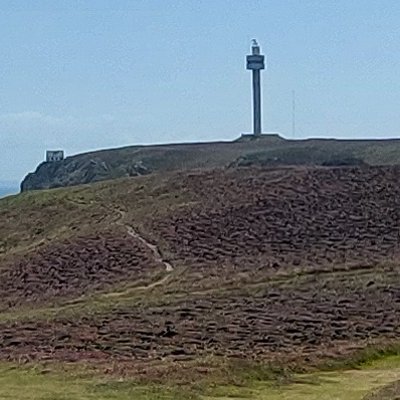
(81, 75)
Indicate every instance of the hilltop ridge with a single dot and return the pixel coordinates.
(267, 150)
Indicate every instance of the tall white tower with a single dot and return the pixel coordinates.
(255, 62)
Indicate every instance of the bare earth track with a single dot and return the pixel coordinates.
(297, 264)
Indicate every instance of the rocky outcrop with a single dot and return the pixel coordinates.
(77, 171)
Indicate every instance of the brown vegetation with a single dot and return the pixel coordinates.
(295, 264)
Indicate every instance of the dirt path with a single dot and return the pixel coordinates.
(135, 289)
(153, 248)
(388, 392)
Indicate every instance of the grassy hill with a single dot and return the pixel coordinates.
(268, 150)
(222, 276)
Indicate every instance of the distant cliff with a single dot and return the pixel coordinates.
(72, 171)
(268, 150)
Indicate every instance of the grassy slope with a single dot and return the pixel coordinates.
(41, 384)
(32, 218)
(86, 206)
(58, 214)
(63, 213)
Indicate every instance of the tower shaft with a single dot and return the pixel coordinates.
(255, 63)
(256, 102)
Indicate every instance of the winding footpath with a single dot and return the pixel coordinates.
(153, 248)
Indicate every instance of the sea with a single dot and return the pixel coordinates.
(8, 188)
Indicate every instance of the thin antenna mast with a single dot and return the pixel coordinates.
(293, 114)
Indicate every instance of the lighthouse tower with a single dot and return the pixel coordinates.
(255, 63)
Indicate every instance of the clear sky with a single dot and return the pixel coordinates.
(81, 75)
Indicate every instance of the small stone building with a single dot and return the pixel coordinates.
(54, 155)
